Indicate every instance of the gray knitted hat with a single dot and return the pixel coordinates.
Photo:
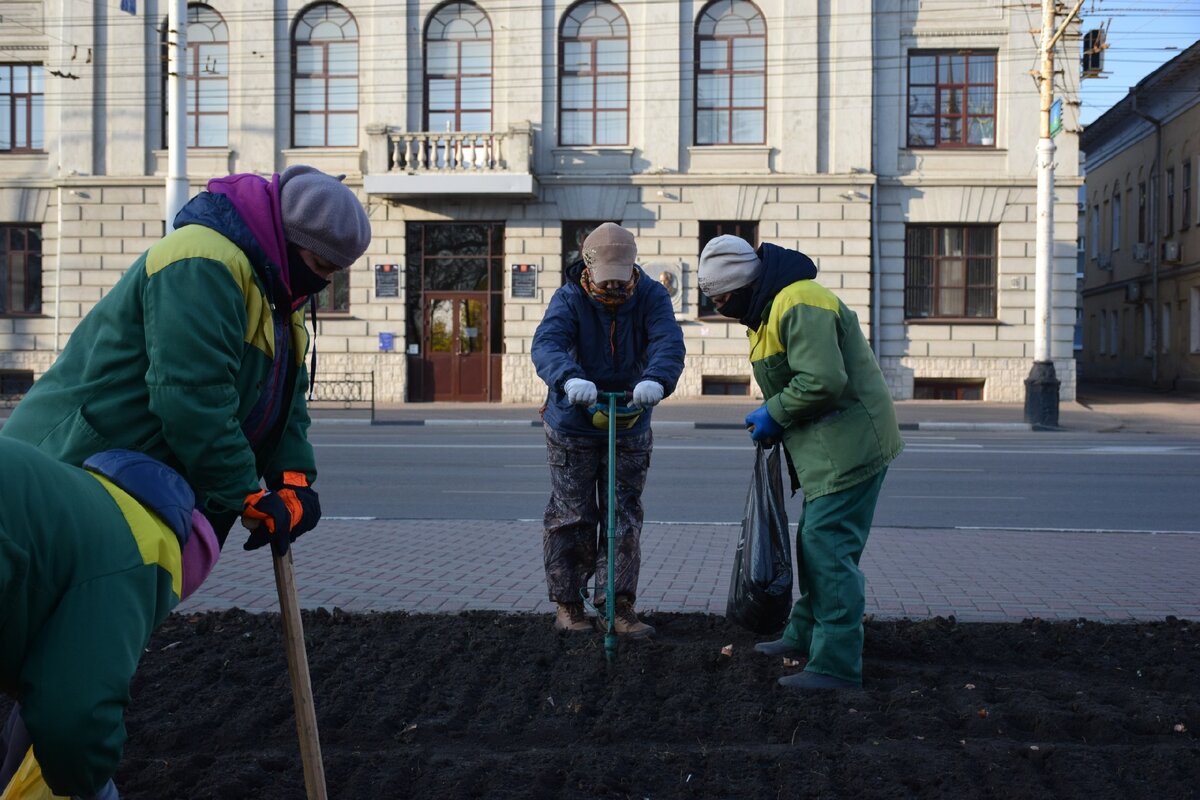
(609, 253)
(727, 263)
(321, 214)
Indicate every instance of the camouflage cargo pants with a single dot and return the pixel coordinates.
(575, 536)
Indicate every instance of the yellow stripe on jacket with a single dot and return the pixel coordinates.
(156, 542)
(765, 340)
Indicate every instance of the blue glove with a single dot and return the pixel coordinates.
(763, 427)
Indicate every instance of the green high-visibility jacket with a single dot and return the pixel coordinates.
(86, 575)
(824, 388)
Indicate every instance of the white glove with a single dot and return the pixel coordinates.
(580, 392)
(647, 394)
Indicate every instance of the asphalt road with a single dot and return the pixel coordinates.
(1009, 480)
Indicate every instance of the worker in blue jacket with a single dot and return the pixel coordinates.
(609, 328)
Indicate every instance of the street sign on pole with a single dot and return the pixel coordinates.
(1055, 117)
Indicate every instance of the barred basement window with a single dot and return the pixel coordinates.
(950, 272)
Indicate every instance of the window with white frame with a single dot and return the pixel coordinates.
(1185, 196)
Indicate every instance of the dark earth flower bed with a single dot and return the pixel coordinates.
(494, 705)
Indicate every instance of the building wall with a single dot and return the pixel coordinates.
(1154, 300)
(835, 159)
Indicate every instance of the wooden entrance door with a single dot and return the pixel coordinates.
(456, 346)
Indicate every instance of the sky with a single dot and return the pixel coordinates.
(1142, 36)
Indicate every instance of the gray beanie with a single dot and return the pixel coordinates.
(321, 214)
(727, 264)
(609, 253)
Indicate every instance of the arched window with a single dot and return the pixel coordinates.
(458, 69)
(325, 78)
(731, 74)
(593, 85)
(207, 71)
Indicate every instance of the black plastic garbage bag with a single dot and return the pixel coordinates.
(760, 591)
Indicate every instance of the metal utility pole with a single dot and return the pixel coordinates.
(177, 182)
(1041, 387)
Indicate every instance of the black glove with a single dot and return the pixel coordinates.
(301, 500)
(267, 517)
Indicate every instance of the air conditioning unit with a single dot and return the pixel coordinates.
(1141, 252)
(1170, 252)
(1133, 292)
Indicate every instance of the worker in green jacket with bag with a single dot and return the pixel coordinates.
(827, 401)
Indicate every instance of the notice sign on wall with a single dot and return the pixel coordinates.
(524, 280)
(387, 280)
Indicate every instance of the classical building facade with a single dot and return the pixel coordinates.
(1141, 287)
(892, 142)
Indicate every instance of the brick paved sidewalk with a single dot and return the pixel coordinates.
(455, 565)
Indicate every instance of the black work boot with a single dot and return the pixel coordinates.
(780, 647)
(815, 682)
(570, 618)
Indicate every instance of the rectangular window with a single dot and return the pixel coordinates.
(710, 230)
(1114, 343)
(950, 272)
(21, 108)
(20, 270)
(1141, 213)
(952, 99)
(1095, 235)
(1185, 197)
(1194, 319)
(1116, 220)
(1102, 333)
(1165, 329)
(1169, 208)
(1147, 331)
(336, 296)
(573, 234)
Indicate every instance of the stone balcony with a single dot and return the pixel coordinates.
(453, 163)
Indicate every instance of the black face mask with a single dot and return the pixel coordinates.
(304, 280)
(738, 303)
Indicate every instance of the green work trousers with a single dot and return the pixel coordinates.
(827, 620)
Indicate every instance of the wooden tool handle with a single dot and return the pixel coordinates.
(302, 696)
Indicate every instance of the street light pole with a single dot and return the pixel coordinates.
(177, 182)
(1041, 387)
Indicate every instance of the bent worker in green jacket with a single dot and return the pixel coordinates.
(91, 562)
(827, 401)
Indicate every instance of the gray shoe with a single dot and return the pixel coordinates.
(815, 681)
(780, 647)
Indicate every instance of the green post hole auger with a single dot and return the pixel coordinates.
(610, 603)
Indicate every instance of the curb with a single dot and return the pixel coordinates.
(733, 426)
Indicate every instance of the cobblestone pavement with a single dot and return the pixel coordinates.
(976, 575)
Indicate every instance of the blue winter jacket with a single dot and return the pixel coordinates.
(615, 349)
